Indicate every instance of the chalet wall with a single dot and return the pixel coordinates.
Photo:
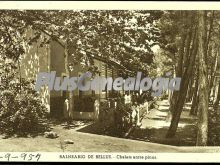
(36, 59)
(57, 64)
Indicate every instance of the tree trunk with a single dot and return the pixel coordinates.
(179, 70)
(216, 103)
(187, 56)
(70, 96)
(180, 100)
(213, 72)
(194, 106)
(190, 90)
(203, 83)
(207, 36)
(179, 106)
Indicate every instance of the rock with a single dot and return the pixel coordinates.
(51, 135)
(68, 141)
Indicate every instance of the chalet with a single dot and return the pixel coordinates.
(52, 57)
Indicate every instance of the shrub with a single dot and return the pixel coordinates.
(123, 117)
(21, 111)
(213, 127)
(106, 114)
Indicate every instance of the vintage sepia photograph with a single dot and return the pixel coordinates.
(129, 81)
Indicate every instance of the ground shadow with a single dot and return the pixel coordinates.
(185, 136)
(99, 129)
(69, 124)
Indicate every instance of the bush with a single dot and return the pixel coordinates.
(21, 112)
(106, 114)
(213, 127)
(123, 117)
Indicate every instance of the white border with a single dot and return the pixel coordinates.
(107, 157)
(109, 5)
(112, 5)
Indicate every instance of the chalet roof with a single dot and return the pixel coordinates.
(111, 62)
(105, 60)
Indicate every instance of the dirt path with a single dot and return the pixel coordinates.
(86, 142)
(145, 139)
(82, 142)
(154, 127)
